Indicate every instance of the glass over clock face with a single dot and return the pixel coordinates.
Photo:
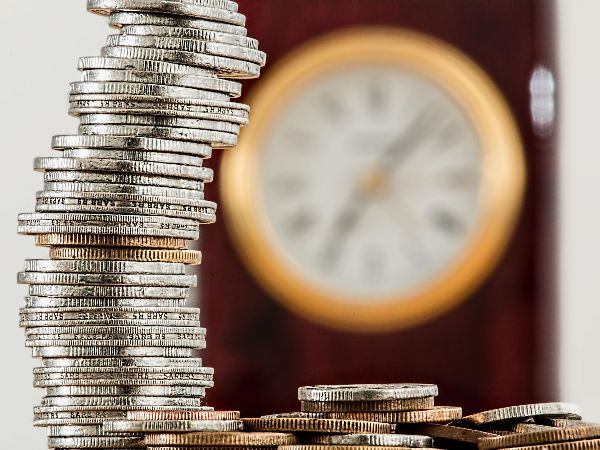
(378, 182)
(371, 181)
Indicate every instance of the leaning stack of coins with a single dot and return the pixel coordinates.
(119, 208)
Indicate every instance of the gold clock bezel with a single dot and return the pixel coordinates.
(503, 177)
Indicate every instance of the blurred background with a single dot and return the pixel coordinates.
(404, 206)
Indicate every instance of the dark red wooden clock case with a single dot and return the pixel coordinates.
(497, 348)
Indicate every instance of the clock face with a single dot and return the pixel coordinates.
(378, 183)
(371, 180)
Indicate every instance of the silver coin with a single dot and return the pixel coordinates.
(99, 302)
(141, 292)
(131, 391)
(216, 138)
(123, 179)
(144, 89)
(122, 362)
(201, 34)
(516, 413)
(62, 142)
(147, 66)
(96, 442)
(93, 266)
(134, 155)
(121, 19)
(203, 174)
(75, 416)
(172, 426)
(108, 352)
(122, 225)
(231, 88)
(80, 431)
(188, 45)
(124, 199)
(158, 121)
(366, 392)
(202, 215)
(93, 104)
(230, 67)
(176, 7)
(144, 380)
(372, 440)
(176, 402)
(124, 189)
(106, 279)
(115, 332)
(109, 322)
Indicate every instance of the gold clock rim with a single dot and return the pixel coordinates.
(503, 180)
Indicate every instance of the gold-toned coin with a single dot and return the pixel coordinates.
(540, 434)
(437, 414)
(445, 432)
(191, 257)
(97, 240)
(182, 414)
(310, 425)
(410, 404)
(220, 439)
(588, 444)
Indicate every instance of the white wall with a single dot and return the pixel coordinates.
(580, 213)
(39, 45)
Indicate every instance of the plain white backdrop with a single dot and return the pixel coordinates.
(39, 45)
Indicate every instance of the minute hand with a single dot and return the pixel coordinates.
(401, 148)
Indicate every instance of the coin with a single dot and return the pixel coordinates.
(374, 406)
(446, 432)
(134, 155)
(106, 7)
(100, 442)
(197, 392)
(232, 88)
(437, 414)
(122, 362)
(542, 435)
(564, 410)
(232, 439)
(120, 19)
(91, 266)
(179, 402)
(107, 240)
(182, 414)
(172, 426)
(62, 142)
(121, 165)
(62, 351)
(297, 424)
(191, 257)
(377, 440)
(62, 278)
(366, 392)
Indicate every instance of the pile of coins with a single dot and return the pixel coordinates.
(120, 206)
(367, 417)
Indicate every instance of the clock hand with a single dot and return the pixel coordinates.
(360, 199)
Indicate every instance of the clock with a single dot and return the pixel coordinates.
(379, 181)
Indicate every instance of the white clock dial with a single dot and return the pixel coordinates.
(371, 181)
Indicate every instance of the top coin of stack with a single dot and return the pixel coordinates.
(120, 205)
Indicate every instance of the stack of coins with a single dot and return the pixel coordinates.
(358, 417)
(120, 206)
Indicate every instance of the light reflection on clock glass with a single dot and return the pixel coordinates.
(371, 180)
